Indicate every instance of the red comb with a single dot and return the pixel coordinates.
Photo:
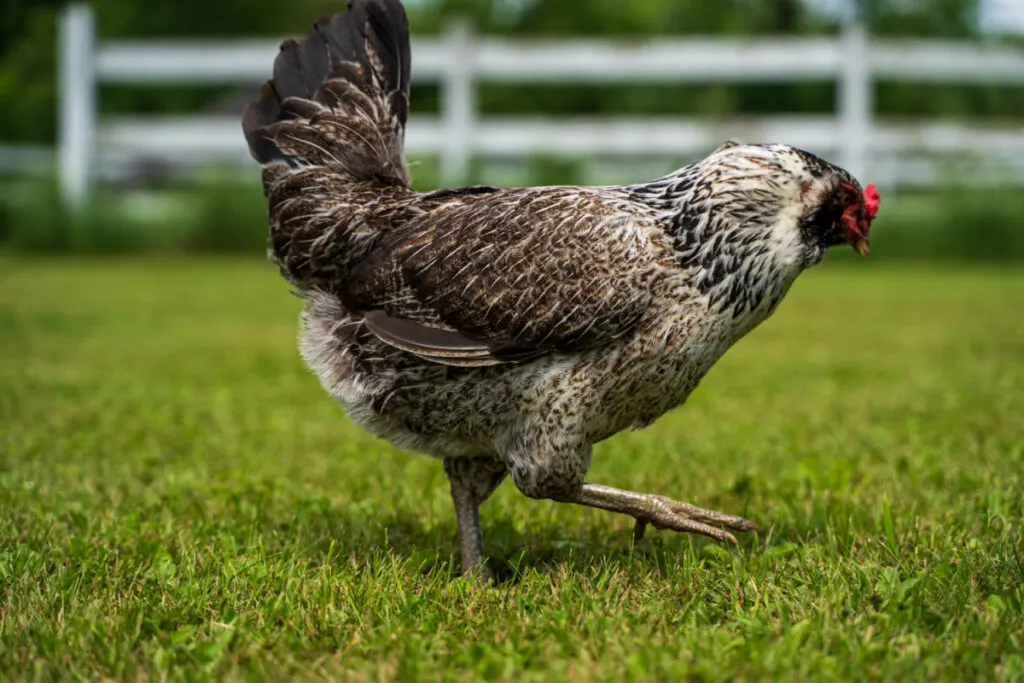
(871, 201)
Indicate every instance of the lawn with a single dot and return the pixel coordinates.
(179, 499)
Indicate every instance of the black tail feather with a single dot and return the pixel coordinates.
(346, 85)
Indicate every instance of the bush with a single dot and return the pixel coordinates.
(953, 224)
(37, 221)
(229, 216)
(220, 212)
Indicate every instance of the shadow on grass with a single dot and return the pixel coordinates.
(431, 547)
(365, 535)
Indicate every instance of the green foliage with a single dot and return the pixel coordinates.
(179, 500)
(28, 49)
(219, 212)
(933, 18)
(28, 72)
(624, 20)
(953, 224)
(228, 215)
(28, 52)
(546, 171)
(37, 221)
(952, 19)
(214, 213)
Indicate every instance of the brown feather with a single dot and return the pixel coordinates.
(478, 264)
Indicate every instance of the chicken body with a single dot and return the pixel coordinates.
(546, 412)
(505, 331)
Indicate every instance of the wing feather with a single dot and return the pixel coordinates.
(508, 276)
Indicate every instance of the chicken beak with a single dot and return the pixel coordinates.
(862, 246)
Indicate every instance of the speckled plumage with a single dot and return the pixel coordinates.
(508, 330)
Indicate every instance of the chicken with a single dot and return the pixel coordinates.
(506, 331)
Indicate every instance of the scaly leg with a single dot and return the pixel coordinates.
(662, 512)
(473, 480)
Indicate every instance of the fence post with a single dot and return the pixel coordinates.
(458, 104)
(856, 104)
(77, 107)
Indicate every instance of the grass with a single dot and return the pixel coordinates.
(179, 499)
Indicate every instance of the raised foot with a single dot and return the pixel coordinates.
(671, 514)
(663, 513)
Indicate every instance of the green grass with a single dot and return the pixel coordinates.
(179, 499)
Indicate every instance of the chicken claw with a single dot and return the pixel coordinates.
(664, 513)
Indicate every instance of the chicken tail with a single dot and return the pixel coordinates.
(338, 100)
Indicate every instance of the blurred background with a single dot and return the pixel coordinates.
(121, 124)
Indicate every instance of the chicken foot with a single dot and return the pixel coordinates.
(663, 513)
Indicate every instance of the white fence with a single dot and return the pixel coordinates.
(459, 61)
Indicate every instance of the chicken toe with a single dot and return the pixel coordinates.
(663, 513)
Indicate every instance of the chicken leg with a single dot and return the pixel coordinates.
(472, 481)
(662, 512)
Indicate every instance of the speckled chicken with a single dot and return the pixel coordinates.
(506, 331)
